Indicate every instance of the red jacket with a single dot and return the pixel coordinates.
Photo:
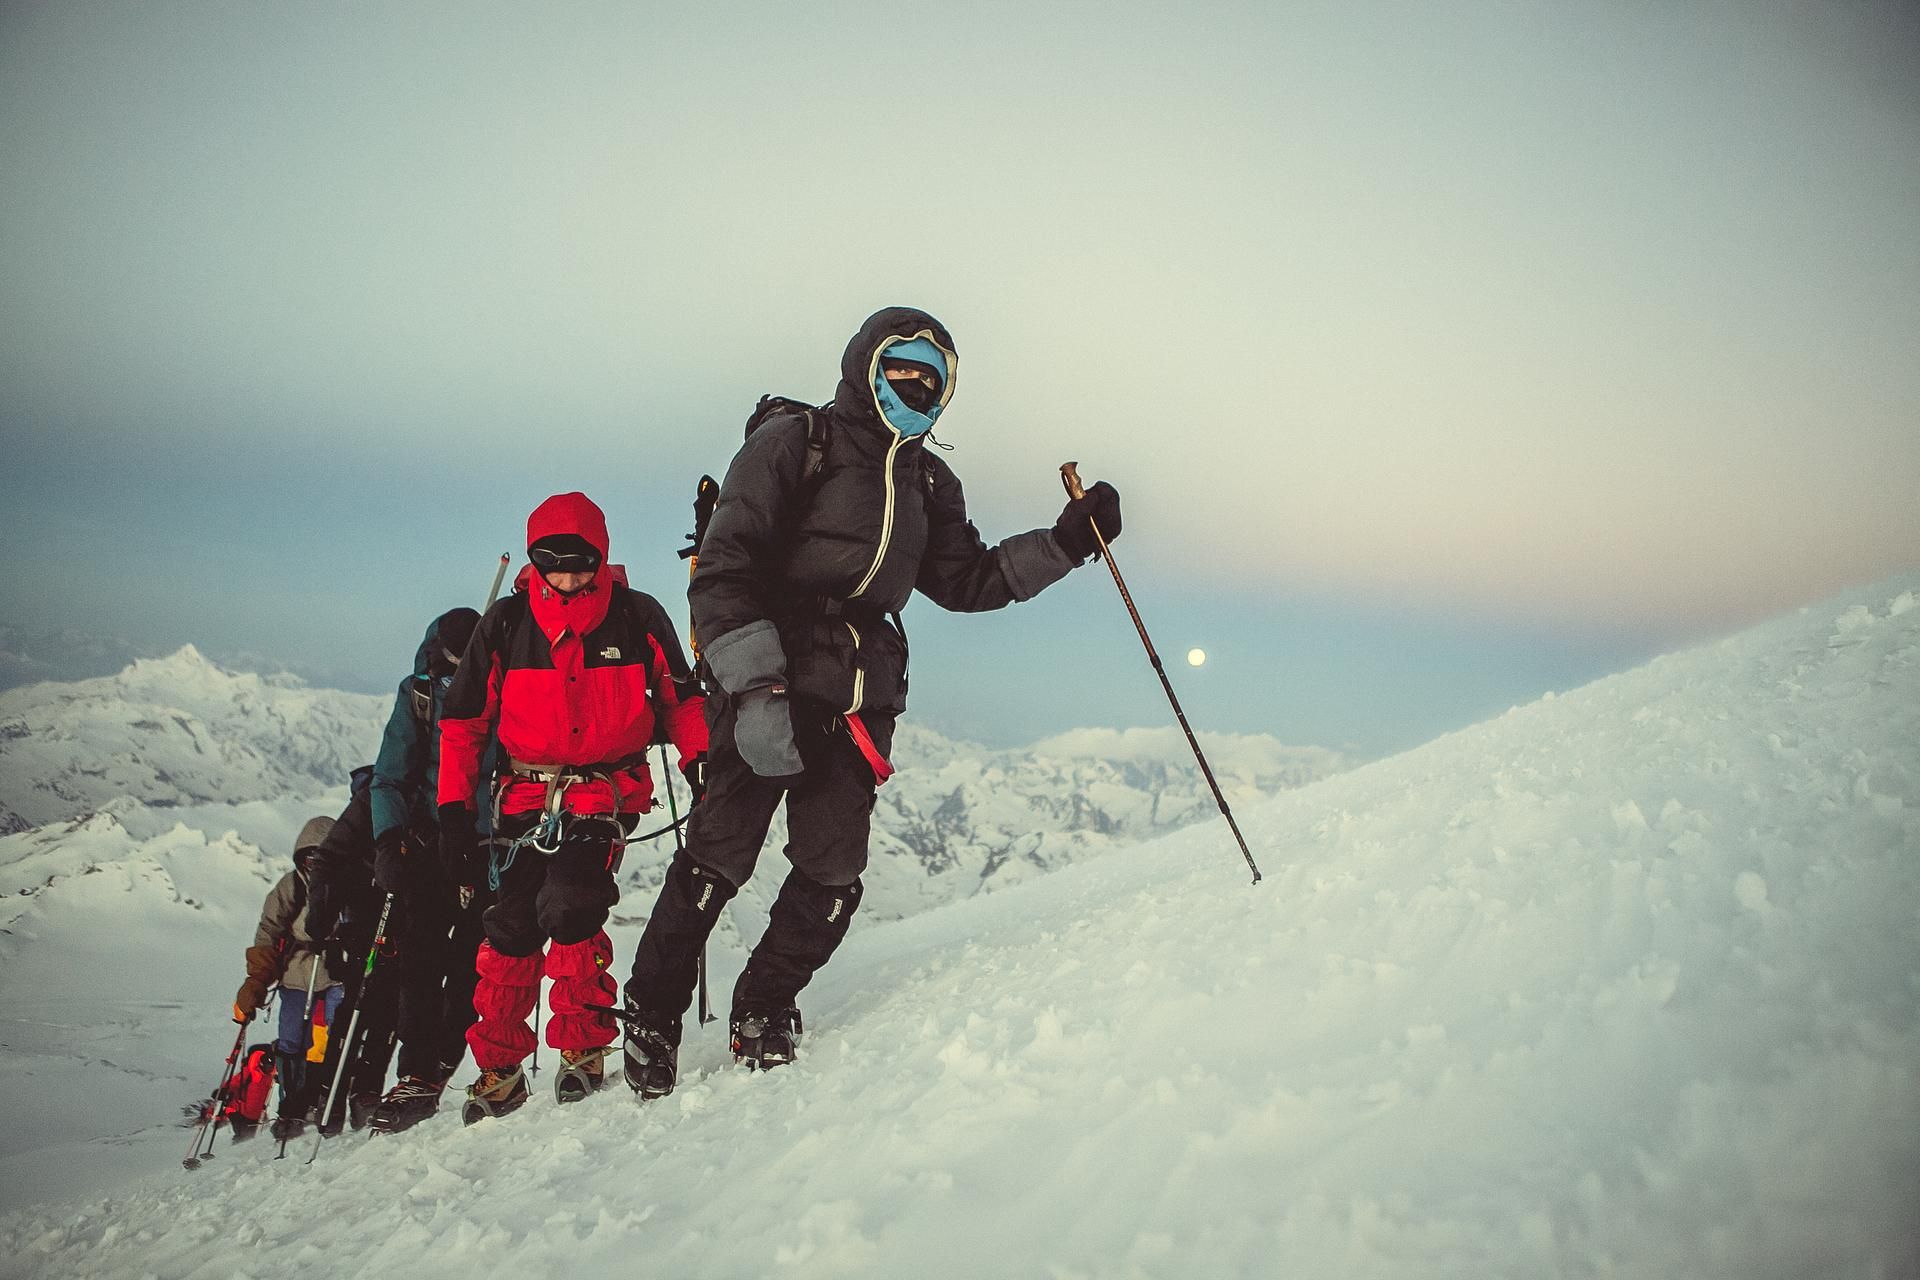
(572, 680)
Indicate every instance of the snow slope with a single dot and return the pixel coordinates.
(1622, 983)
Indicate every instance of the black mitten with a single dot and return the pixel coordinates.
(1101, 505)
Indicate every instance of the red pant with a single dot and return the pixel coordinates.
(509, 987)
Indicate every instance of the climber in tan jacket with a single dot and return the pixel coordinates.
(283, 952)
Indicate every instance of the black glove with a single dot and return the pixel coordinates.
(695, 772)
(459, 843)
(1100, 504)
(325, 896)
(390, 863)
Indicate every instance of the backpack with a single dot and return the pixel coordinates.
(245, 1095)
(819, 430)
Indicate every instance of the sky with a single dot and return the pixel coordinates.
(1442, 356)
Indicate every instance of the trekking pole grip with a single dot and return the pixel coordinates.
(1070, 477)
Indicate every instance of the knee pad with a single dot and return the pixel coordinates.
(569, 921)
(511, 933)
(699, 888)
(823, 905)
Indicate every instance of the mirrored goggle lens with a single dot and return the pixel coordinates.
(563, 561)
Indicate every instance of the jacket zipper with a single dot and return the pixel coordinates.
(886, 520)
(859, 675)
(946, 392)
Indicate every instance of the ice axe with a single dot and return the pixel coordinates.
(706, 496)
(1070, 477)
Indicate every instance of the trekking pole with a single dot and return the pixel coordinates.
(313, 980)
(499, 576)
(206, 1126)
(366, 975)
(680, 842)
(1070, 476)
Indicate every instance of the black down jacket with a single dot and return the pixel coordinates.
(881, 519)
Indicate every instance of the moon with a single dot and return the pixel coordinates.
(1196, 657)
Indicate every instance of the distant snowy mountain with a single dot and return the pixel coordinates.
(174, 731)
(181, 732)
(1621, 983)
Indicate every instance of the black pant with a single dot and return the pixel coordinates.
(374, 997)
(438, 940)
(829, 808)
(829, 815)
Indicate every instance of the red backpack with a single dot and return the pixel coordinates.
(245, 1095)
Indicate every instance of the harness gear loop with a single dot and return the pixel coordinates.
(545, 835)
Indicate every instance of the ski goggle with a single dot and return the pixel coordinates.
(547, 561)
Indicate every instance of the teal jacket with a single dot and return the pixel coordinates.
(407, 769)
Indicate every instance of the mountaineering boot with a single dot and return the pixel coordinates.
(287, 1128)
(498, 1092)
(764, 1039)
(334, 1122)
(360, 1109)
(582, 1071)
(410, 1101)
(652, 1051)
(242, 1128)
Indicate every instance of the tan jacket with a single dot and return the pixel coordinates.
(279, 919)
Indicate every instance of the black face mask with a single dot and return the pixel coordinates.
(915, 394)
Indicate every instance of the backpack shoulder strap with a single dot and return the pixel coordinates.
(819, 431)
(819, 427)
(420, 698)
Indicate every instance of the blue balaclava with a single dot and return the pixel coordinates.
(902, 418)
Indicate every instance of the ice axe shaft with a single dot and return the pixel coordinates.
(1070, 477)
(499, 576)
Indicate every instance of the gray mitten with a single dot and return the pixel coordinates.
(763, 731)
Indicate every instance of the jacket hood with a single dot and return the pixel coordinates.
(312, 832)
(569, 513)
(854, 401)
(457, 625)
(585, 609)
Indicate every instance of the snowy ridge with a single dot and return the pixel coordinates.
(172, 731)
(1622, 983)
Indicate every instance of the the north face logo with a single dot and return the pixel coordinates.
(610, 652)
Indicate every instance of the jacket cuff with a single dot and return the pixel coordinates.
(747, 658)
(1033, 561)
